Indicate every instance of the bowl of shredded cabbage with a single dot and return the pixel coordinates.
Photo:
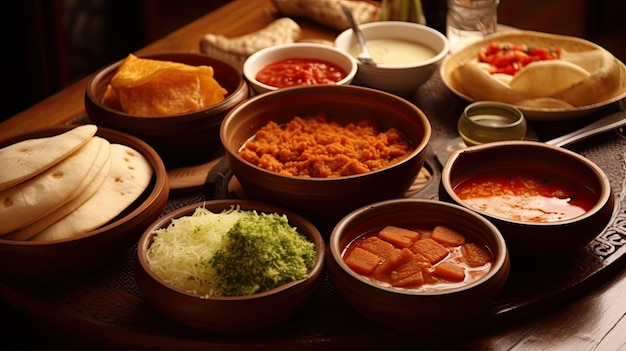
(230, 266)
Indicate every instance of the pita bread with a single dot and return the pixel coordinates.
(92, 182)
(26, 159)
(484, 87)
(26, 202)
(128, 177)
(546, 78)
(599, 86)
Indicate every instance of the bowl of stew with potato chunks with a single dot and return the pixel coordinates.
(75, 198)
(547, 201)
(417, 264)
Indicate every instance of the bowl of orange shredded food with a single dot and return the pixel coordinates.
(175, 101)
(323, 151)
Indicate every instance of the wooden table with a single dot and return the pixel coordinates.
(591, 318)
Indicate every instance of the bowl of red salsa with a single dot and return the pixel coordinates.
(298, 64)
(546, 200)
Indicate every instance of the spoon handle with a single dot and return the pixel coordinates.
(612, 121)
(365, 55)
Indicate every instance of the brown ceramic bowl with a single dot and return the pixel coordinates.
(325, 200)
(57, 259)
(414, 309)
(524, 237)
(182, 139)
(230, 314)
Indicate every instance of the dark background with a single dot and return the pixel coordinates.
(50, 44)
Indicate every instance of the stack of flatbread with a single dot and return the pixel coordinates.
(66, 185)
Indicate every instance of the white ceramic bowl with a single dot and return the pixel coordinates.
(264, 57)
(401, 80)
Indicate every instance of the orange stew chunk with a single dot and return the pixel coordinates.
(413, 259)
(447, 237)
(362, 261)
(450, 271)
(378, 246)
(408, 274)
(475, 255)
(399, 236)
(430, 249)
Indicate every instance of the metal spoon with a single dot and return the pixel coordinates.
(610, 122)
(365, 56)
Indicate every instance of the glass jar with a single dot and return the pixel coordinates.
(486, 121)
(470, 20)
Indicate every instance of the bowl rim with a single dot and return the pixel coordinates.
(287, 46)
(112, 68)
(161, 183)
(605, 186)
(419, 148)
(336, 251)
(144, 243)
(347, 34)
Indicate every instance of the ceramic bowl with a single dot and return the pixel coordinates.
(183, 139)
(62, 258)
(400, 79)
(230, 314)
(417, 309)
(310, 51)
(553, 166)
(325, 200)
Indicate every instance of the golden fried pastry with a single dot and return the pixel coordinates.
(149, 87)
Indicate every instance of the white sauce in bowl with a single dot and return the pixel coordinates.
(395, 51)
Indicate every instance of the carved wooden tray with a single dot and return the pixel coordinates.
(106, 308)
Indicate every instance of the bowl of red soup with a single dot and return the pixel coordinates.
(546, 200)
(417, 265)
(297, 64)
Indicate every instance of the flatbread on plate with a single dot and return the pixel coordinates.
(545, 78)
(129, 176)
(26, 202)
(92, 182)
(27, 158)
(605, 83)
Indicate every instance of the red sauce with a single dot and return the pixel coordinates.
(510, 58)
(526, 197)
(293, 72)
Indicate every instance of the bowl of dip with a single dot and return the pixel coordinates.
(406, 54)
(546, 200)
(297, 64)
